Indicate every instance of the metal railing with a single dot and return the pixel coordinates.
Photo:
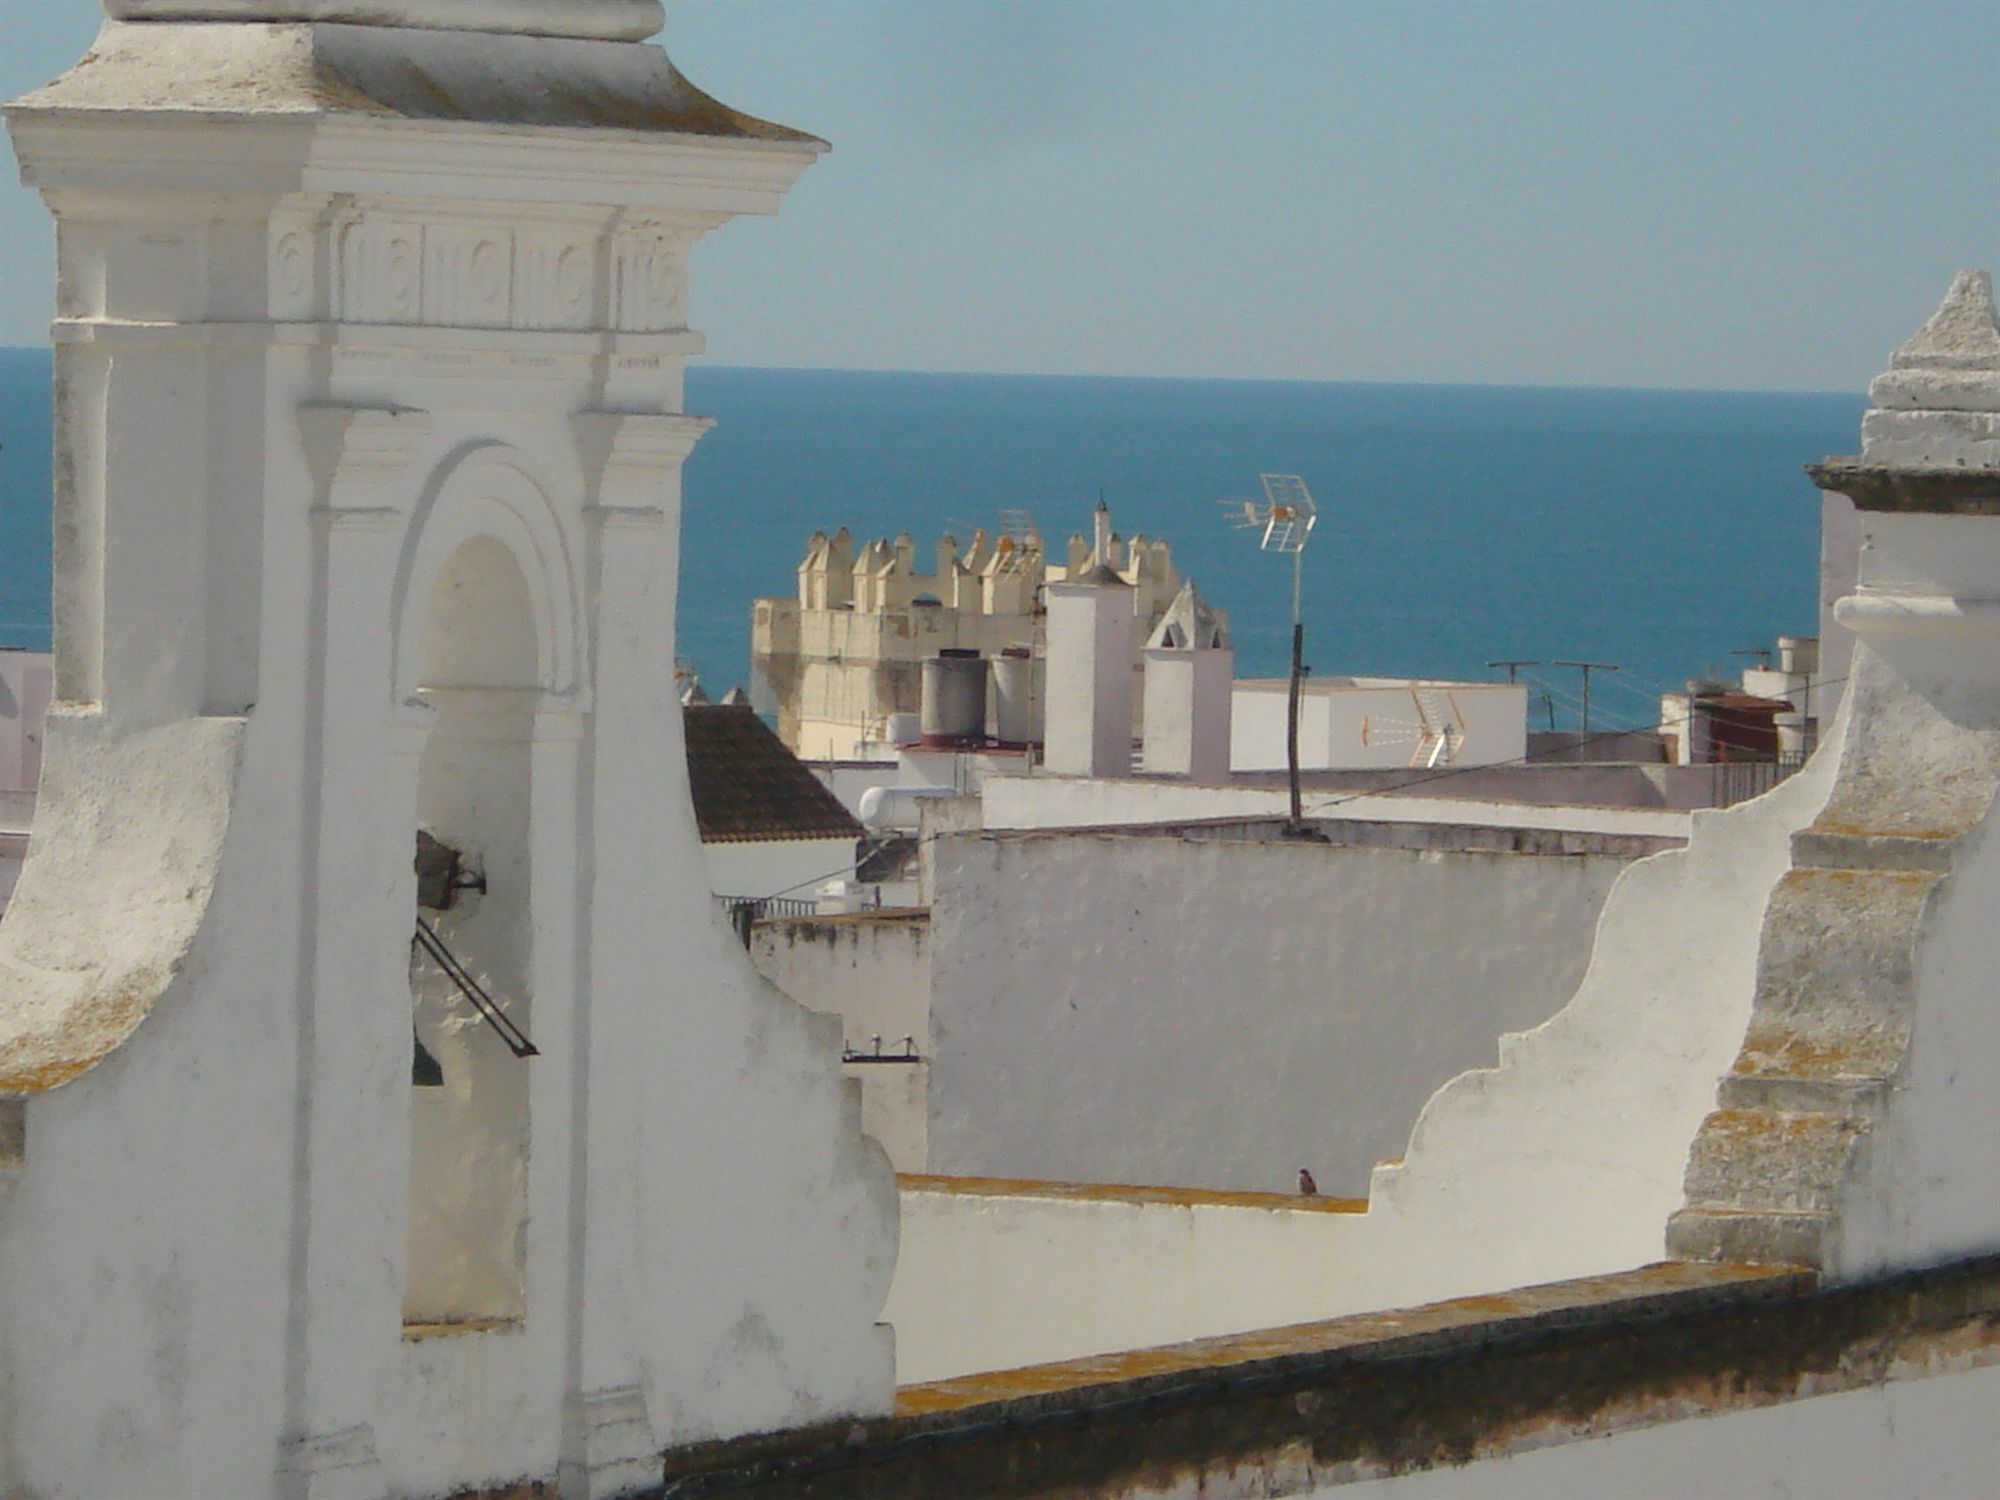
(1734, 781)
(742, 911)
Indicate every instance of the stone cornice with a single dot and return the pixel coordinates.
(356, 452)
(607, 20)
(407, 76)
(1885, 487)
(488, 343)
(709, 177)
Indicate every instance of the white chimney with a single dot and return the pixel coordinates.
(1088, 707)
(1190, 683)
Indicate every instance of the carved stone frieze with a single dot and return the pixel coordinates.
(293, 272)
(379, 266)
(649, 277)
(555, 280)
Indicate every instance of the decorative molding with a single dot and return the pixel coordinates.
(649, 278)
(356, 453)
(294, 266)
(626, 517)
(627, 457)
(555, 280)
(390, 269)
(468, 276)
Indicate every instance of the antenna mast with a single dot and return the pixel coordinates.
(1286, 516)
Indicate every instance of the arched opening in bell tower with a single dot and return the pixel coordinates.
(469, 1107)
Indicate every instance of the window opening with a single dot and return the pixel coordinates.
(471, 950)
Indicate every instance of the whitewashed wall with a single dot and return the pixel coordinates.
(1219, 1014)
(794, 868)
(996, 1281)
(1371, 724)
(873, 970)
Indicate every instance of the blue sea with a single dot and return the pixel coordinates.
(1664, 531)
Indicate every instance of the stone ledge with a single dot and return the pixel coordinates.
(1884, 487)
(604, 20)
(1283, 1411)
(1113, 1192)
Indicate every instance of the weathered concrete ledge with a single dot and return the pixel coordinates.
(1286, 1410)
(1889, 487)
(1372, 833)
(1113, 1192)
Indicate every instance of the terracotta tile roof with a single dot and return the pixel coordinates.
(748, 786)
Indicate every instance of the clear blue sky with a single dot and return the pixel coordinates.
(1685, 194)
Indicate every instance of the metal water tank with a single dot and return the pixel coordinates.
(954, 702)
(897, 808)
(1017, 700)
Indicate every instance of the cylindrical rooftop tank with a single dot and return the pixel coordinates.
(897, 808)
(954, 705)
(1017, 700)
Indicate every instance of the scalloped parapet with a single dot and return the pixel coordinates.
(1869, 1063)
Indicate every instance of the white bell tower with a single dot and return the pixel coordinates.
(370, 330)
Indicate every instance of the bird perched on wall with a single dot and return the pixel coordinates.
(1307, 1187)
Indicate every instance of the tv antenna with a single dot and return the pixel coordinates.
(1018, 542)
(1436, 735)
(1286, 517)
(1587, 667)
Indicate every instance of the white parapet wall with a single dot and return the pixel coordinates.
(1565, 1160)
(1044, 800)
(1223, 1012)
(873, 970)
(997, 1275)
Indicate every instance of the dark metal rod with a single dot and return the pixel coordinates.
(1297, 823)
(475, 993)
(1587, 667)
(1513, 666)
